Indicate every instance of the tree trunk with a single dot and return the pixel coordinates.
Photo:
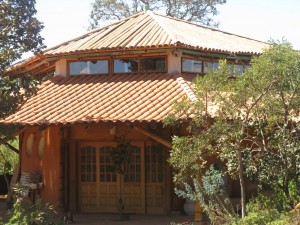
(242, 183)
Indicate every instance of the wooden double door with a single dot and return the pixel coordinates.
(140, 187)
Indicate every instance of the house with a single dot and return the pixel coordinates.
(119, 80)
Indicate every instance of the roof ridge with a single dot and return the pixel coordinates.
(154, 17)
(206, 27)
(185, 86)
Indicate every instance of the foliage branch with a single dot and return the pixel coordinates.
(19, 33)
(250, 121)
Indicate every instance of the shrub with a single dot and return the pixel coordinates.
(26, 213)
(262, 217)
(271, 210)
(212, 196)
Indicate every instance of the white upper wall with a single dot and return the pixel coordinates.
(174, 62)
(61, 68)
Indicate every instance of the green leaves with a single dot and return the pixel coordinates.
(253, 121)
(8, 158)
(19, 33)
(19, 30)
(26, 213)
(211, 195)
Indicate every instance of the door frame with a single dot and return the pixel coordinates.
(98, 145)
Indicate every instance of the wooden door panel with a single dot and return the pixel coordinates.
(108, 193)
(154, 164)
(108, 197)
(87, 177)
(100, 188)
(134, 184)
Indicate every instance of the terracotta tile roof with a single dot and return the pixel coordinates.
(94, 98)
(150, 30)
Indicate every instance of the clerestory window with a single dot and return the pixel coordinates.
(129, 65)
(191, 65)
(89, 67)
(153, 64)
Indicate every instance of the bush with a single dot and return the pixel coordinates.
(26, 213)
(270, 217)
(212, 196)
(262, 217)
(271, 210)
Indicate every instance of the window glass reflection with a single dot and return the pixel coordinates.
(89, 67)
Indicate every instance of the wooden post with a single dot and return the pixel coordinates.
(198, 212)
(13, 181)
(199, 217)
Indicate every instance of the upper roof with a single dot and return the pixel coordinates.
(95, 98)
(145, 30)
(150, 30)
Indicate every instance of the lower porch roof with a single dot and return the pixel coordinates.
(103, 98)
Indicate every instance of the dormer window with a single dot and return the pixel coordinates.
(89, 67)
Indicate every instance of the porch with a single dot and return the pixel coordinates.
(135, 219)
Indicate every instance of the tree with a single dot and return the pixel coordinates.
(248, 121)
(120, 156)
(195, 11)
(8, 158)
(19, 33)
(277, 127)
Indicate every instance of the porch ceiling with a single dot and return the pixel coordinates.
(95, 98)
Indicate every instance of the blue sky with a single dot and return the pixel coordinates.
(258, 19)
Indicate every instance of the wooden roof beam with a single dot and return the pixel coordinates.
(155, 137)
(12, 147)
(6, 139)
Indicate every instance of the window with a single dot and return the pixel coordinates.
(154, 161)
(89, 67)
(237, 69)
(41, 147)
(29, 144)
(191, 66)
(126, 65)
(153, 64)
(133, 170)
(210, 66)
(88, 164)
(107, 173)
(247, 67)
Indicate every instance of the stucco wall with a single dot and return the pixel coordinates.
(47, 164)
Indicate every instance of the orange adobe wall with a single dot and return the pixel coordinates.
(46, 162)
